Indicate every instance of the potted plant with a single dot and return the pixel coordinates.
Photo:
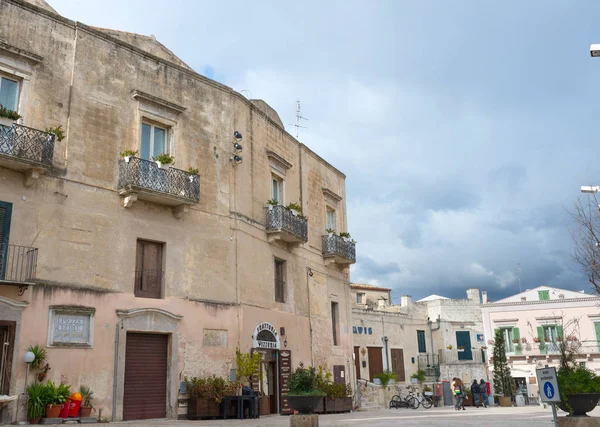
(39, 353)
(449, 346)
(347, 399)
(295, 208)
(503, 382)
(128, 154)
(303, 393)
(164, 160)
(345, 236)
(386, 377)
(427, 391)
(193, 173)
(330, 231)
(248, 364)
(57, 132)
(271, 203)
(419, 377)
(88, 396)
(8, 117)
(199, 392)
(35, 403)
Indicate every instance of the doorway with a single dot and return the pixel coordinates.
(267, 384)
(463, 345)
(375, 362)
(7, 346)
(357, 362)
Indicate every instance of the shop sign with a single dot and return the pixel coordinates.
(70, 326)
(362, 330)
(265, 336)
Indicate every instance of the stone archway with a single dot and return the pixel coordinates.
(147, 320)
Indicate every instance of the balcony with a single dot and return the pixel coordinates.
(141, 179)
(338, 250)
(551, 349)
(26, 149)
(430, 363)
(17, 264)
(283, 225)
(462, 357)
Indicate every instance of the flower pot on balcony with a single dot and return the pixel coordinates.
(162, 165)
(5, 121)
(345, 239)
(127, 159)
(294, 212)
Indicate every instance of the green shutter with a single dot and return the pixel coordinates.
(597, 326)
(5, 214)
(540, 331)
(559, 333)
(516, 335)
(544, 295)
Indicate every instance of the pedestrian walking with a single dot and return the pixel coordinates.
(458, 390)
(483, 393)
(475, 393)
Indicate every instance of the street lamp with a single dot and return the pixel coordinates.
(28, 358)
(595, 50)
(590, 189)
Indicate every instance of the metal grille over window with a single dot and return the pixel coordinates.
(27, 144)
(145, 174)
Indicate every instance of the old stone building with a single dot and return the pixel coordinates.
(126, 270)
(442, 336)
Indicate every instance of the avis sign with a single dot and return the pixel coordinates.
(548, 385)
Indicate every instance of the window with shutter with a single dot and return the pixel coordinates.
(421, 341)
(279, 280)
(5, 214)
(148, 269)
(335, 313)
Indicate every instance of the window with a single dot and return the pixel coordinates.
(277, 189)
(360, 298)
(582, 364)
(421, 341)
(508, 339)
(330, 219)
(279, 280)
(154, 141)
(148, 269)
(335, 324)
(544, 295)
(9, 93)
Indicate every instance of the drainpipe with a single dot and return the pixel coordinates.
(309, 274)
(387, 357)
(114, 399)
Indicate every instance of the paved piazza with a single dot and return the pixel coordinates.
(529, 416)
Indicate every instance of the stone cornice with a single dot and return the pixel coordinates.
(283, 163)
(525, 303)
(331, 194)
(149, 310)
(23, 54)
(143, 96)
(13, 303)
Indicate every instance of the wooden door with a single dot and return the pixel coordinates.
(398, 363)
(7, 346)
(375, 362)
(463, 345)
(339, 374)
(357, 362)
(145, 392)
(285, 369)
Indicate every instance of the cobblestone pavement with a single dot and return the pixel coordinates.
(491, 417)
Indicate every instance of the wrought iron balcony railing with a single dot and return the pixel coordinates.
(430, 363)
(27, 144)
(17, 263)
(139, 175)
(283, 224)
(458, 356)
(343, 251)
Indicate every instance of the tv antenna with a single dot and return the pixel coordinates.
(298, 118)
(519, 275)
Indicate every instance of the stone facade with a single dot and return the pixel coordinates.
(217, 258)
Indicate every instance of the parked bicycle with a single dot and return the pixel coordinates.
(411, 400)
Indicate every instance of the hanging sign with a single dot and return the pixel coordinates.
(265, 336)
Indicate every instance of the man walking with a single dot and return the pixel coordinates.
(483, 393)
(475, 393)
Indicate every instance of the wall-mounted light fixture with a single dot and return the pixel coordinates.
(237, 149)
(28, 358)
(285, 342)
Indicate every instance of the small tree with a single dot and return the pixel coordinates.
(247, 365)
(586, 238)
(503, 382)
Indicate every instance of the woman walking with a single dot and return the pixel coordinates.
(459, 393)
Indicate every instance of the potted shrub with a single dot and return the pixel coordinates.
(330, 231)
(386, 377)
(503, 382)
(579, 390)
(199, 392)
(295, 208)
(8, 117)
(303, 393)
(35, 403)
(57, 132)
(347, 399)
(128, 154)
(164, 160)
(54, 398)
(419, 377)
(193, 173)
(345, 236)
(88, 396)
(271, 203)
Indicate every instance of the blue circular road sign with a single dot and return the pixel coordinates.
(548, 389)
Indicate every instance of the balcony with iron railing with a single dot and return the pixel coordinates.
(26, 149)
(141, 179)
(286, 225)
(461, 356)
(430, 363)
(339, 249)
(552, 349)
(17, 264)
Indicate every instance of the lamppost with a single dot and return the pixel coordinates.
(29, 357)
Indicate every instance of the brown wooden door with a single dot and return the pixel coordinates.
(339, 374)
(7, 346)
(375, 362)
(145, 394)
(357, 362)
(285, 369)
(398, 363)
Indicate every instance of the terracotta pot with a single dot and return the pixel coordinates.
(53, 411)
(41, 377)
(35, 420)
(505, 401)
(85, 411)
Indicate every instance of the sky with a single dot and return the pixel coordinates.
(465, 128)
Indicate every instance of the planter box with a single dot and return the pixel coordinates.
(200, 408)
(6, 122)
(338, 405)
(320, 407)
(265, 405)
(505, 401)
(347, 404)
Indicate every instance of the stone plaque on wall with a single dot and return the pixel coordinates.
(215, 338)
(71, 326)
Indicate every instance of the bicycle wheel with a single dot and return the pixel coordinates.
(427, 402)
(413, 403)
(395, 402)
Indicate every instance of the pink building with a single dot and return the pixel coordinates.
(534, 321)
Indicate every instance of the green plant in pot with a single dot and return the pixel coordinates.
(164, 160)
(385, 377)
(503, 382)
(36, 393)
(39, 353)
(88, 397)
(304, 393)
(7, 117)
(420, 376)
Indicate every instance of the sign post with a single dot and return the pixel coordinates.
(549, 392)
